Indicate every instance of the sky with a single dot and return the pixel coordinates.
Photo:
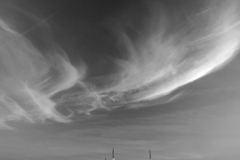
(78, 78)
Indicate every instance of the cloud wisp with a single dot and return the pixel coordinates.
(161, 59)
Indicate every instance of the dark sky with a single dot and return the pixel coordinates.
(201, 124)
(82, 28)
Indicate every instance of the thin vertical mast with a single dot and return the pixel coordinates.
(150, 155)
(113, 154)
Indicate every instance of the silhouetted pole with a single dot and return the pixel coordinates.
(150, 155)
(113, 154)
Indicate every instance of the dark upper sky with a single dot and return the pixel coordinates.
(202, 124)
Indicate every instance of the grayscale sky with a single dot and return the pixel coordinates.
(198, 120)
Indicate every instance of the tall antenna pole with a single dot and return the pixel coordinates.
(150, 155)
(113, 158)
